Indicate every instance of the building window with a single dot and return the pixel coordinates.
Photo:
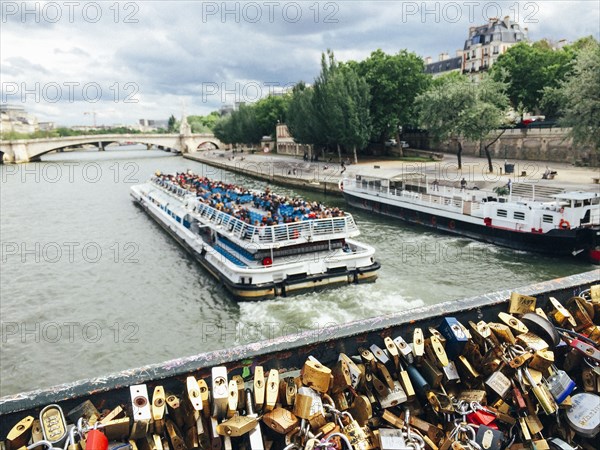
(501, 213)
(519, 215)
(547, 218)
(496, 49)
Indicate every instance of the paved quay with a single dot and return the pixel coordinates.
(323, 176)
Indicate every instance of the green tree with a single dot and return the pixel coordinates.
(529, 70)
(455, 107)
(269, 111)
(172, 124)
(301, 116)
(394, 82)
(580, 93)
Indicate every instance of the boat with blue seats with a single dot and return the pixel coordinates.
(260, 245)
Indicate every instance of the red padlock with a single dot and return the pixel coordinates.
(481, 417)
(96, 440)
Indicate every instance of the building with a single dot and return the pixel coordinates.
(482, 48)
(487, 42)
(15, 119)
(444, 65)
(286, 144)
(147, 125)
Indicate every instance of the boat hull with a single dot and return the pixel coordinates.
(574, 242)
(265, 291)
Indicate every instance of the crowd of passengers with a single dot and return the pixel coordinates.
(231, 199)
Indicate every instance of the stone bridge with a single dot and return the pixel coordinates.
(27, 150)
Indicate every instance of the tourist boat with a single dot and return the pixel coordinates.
(255, 257)
(565, 223)
(286, 354)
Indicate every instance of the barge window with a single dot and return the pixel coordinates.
(501, 213)
(519, 215)
(547, 218)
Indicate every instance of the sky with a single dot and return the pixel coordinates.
(123, 61)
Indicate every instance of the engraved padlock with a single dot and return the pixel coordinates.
(560, 385)
(316, 376)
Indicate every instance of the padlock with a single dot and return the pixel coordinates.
(356, 435)
(232, 399)
(418, 344)
(419, 383)
(255, 437)
(542, 360)
(513, 323)
(175, 410)
(404, 349)
(19, 435)
(518, 399)
(393, 397)
(96, 440)
(451, 375)
(519, 360)
(271, 390)
(390, 439)
(175, 438)
(521, 304)
(590, 376)
(558, 444)
(204, 394)
(466, 371)
(455, 335)
(385, 375)
(584, 415)
(259, 388)
(54, 425)
(87, 410)
(532, 341)
(382, 356)
(560, 314)
(280, 420)
(239, 381)
(141, 412)
(341, 377)
(220, 392)
(587, 350)
(593, 333)
(525, 433)
(192, 404)
(36, 431)
(431, 373)
(435, 352)
(545, 401)
(392, 351)
(158, 408)
(340, 400)
(316, 376)
(541, 327)
(473, 396)
(534, 424)
(582, 311)
(114, 425)
(498, 383)
(404, 379)
(287, 391)
(489, 438)
(483, 336)
(560, 385)
(213, 435)
(316, 422)
(361, 409)
(308, 403)
(392, 419)
(502, 332)
(237, 426)
(355, 373)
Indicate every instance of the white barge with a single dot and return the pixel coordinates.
(566, 224)
(258, 251)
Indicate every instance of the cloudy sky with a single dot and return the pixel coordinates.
(146, 59)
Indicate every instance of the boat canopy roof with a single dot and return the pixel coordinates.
(403, 176)
(576, 195)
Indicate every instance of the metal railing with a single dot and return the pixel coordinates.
(307, 230)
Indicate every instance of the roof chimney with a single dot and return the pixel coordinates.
(428, 60)
(443, 56)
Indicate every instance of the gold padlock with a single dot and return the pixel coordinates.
(287, 391)
(232, 399)
(392, 350)
(280, 420)
(259, 387)
(530, 340)
(361, 409)
(502, 332)
(308, 403)
(521, 304)
(356, 435)
(316, 376)
(19, 435)
(175, 438)
(239, 381)
(435, 351)
(560, 314)
(204, 394)
(36, 431)
(542, 360)
(418, 347)
(158, 410)
(515, 324)
(271, 390)
(341, 377)
(175, 410)
(237, 426)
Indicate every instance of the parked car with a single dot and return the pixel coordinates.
(391, 143)
(404, 144)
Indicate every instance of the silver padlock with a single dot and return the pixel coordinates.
(560, 385)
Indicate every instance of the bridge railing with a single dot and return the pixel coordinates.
(295, 232)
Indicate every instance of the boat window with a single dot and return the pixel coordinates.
(501, 213)
(547, 218)
(519, 215)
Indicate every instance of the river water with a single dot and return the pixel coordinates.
(91, 285)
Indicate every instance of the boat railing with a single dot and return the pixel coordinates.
(308, 230)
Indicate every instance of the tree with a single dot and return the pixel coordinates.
(581, 97)
(269, 111)
(302, 118)
(529, 69)
(171, 124)
(394, 83)
(454, 107)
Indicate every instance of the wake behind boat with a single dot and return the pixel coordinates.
(260, 245)
(568, 223)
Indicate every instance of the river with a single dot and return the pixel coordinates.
(91, 285)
